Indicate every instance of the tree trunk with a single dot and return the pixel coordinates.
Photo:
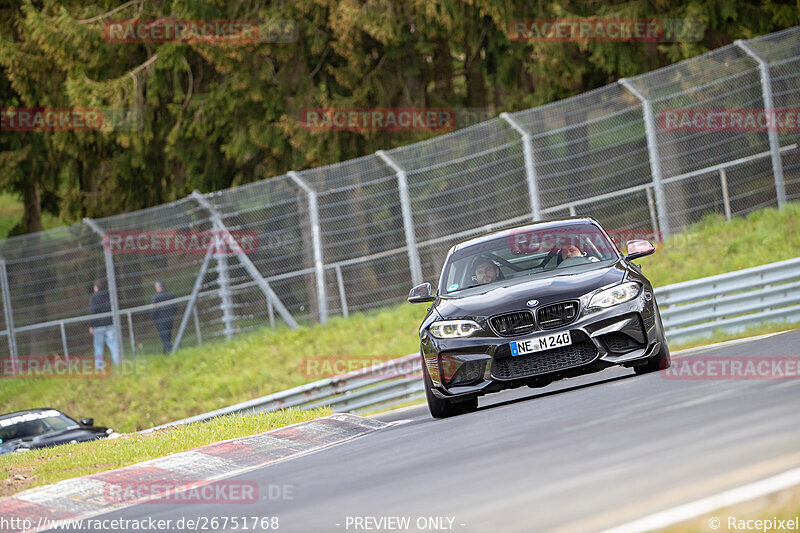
(32, 200)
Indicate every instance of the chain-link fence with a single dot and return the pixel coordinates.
(357, 235)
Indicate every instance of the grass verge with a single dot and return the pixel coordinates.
(20, 471)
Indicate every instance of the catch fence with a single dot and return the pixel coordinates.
(358, 234)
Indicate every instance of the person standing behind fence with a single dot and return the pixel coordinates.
(164, 315)
(101, 328)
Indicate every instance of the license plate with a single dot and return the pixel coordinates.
(538, 344)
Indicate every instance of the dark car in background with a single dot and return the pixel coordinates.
(535, 304)
(40, 428)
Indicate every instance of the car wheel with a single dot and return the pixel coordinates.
(440, 408)
(661, 360)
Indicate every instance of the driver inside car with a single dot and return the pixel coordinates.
(486, 271)
(572, 255)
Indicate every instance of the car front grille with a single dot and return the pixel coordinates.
(511, 324)
(553, 316)
(649, 322)
(523, 366)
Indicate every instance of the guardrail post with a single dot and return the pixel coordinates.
(772, 131)
(408, 219)
(530, 166)
(112, 285)
(316, 242)
(9, 314)
(246, 262)
(655, 158)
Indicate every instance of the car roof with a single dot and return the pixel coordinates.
(544, 224)
(37, 410)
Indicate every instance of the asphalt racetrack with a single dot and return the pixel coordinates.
(579, 455)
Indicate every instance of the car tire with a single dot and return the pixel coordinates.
(661, 360)
(441, 408)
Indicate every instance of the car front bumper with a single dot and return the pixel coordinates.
(625, 334)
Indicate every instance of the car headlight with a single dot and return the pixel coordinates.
(451, 329)
(622, 293)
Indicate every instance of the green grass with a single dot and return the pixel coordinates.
(155, 390)
(715, 245)
(50, 465)
(158, 390)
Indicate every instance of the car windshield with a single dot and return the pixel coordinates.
(34, 423)
(506, 260)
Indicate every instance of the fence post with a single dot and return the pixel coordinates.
(245, 261)
(655, 158)
(112, 286)
(652, 209)
(726, 199)
(9, 314)
(769, 107)
(316, 243)
(342, 295)
(226, 302)
(190, 305)
(64, 341)
(530, 166)
(130, 334)
(197, 326)
(408, 219)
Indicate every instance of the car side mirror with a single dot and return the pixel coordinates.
(87, 421)
(420, 294)
(638, 248)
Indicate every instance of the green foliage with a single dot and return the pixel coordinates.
(212, 116)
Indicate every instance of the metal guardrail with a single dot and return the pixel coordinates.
(729, 302)
(393, 381)
(732, 301)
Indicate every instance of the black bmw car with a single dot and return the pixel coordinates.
(532, 305)
(40, 428)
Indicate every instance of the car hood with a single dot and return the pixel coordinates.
(563, 286)
(52, 439)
